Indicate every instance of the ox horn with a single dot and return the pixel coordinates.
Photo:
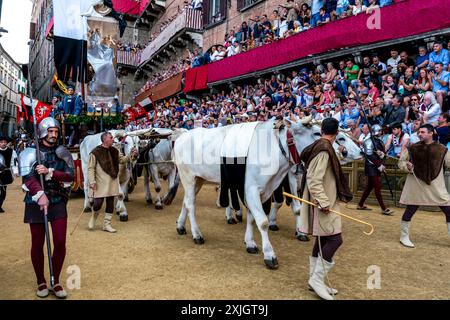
(140, 132)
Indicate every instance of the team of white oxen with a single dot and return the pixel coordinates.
(194, 157)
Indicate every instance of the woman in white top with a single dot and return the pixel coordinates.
(358, 7)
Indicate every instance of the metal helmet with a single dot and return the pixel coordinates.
(376, 129)
(45, 124)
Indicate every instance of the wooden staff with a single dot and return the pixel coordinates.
(339, 213)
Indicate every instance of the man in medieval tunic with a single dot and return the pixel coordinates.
(8, 168)
(425, 184)
(103, 175)
(323, 183)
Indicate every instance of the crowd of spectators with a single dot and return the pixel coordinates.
(288, 19)
(399, 93)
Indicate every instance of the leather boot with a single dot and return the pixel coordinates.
(317, 280)
(404, 234)
(91, 224)
(312, 265)
(107, 223)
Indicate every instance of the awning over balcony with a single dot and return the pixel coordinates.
(403, 19)
(188, 19)
(131, 7)
(196, 79)
(163, 90)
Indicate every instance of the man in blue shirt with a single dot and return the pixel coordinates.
(439, 82)
(385, 3)
(315, 11)
(350, 114)
(439, 54)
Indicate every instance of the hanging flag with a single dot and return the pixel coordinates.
(41, 110)
(19, 114)
(26, 103)
(139, 111)
(70, 36)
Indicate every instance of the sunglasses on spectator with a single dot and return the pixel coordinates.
(415, 99)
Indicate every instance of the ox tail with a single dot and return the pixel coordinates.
(173, 190)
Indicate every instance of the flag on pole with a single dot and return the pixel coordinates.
(70, 36)
(41, 109)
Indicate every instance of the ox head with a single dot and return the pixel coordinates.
(306, 131)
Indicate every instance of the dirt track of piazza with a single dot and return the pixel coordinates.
(147, 259)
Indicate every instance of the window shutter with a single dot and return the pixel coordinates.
(240, 4)
(223, 9)
(206, 14)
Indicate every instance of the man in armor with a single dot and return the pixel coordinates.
(373, 167)
(58, 170)
(8, 168)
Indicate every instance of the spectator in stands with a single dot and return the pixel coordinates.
(292, 9)
(373, 91)
(423, 82)
(384, 3)
(276, 20)
(412, 112)
(351, 73)
(404, 63)
(389, 88)
(422, 60)
(341, 8)
(315, 11)
(378, 69)
(358, 7)
(406, 85)
(324, 17)
(284, 27)
(305, 15)
(372, 6)
(443, 129)
(364, 72)
(396, 141)
(439, 82)
(350, 114)
(393, 112)
(439, 54)
(393, 62)
(431, 110)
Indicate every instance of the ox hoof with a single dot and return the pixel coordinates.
(272, 263)
(88, 210)
(158, 207)
(274, 227)
(199, 240)
(302, 237)
(123, 218)
(150, 201)
(231, 221)
(239, 218)
(181, 231)
(253, 250)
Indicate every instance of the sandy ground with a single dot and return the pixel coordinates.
(147, 259)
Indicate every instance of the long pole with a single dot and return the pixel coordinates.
(337, 212)
(41, 177)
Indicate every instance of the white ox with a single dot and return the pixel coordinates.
(197, 157)
(160, 165)
(92, 141)
(294, 177)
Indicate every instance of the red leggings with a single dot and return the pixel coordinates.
(373, 182)
(59, 228)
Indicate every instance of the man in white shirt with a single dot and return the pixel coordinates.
(432, 109)
(393, 62)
